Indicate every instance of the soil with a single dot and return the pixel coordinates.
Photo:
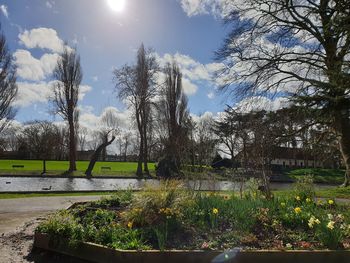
(17, 247)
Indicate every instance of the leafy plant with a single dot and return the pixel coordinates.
(304, 187)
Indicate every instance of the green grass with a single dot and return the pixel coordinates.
(334, 192)
(331, 176)
(59, 167)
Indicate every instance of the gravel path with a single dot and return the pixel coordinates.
(16, 247)
(15, 212)
(18, 220)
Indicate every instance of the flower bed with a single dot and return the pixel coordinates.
(168, 218)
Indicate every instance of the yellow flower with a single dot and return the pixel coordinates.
(331, 202)
(298, 198)
(330, 225)
(283, 204)
(130, 224)
(215, 211)
(308, 200)
(313, 220)
(297, 210)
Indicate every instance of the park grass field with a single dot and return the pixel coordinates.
(320, 175)
(35, 167)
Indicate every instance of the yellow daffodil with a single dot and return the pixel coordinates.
(297, 198)
(330, 225)
(130, 224)
(215, 211)
(320, 202)
(297, 210)
(308, 200)
(312, 221)
(330, 202)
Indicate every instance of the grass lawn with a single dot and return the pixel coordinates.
(332, 176)
(334, 192)
(58, 167)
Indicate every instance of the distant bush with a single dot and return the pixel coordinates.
(219, 162)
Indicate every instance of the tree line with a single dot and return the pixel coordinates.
(299, 50)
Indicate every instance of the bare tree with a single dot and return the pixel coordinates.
(205, 139)
(8, 87)
(96, 155)
(295, 47)
(68, 74)
(174, 116)
(109, 125)
(82, 138)
(136, 84)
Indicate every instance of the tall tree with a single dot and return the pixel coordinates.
(299, 48)
(136, 84)
(8, 87)
(68, 74)
(174, 115)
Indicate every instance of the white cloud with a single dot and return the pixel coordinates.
(42, 37)
(50, 4)
(93, 122)
(83, 89)
(4, 11)
(188, 87)
(30, 68)
(211, 95)
(202, 7)
(31, 93)
(257, 103)
(193, 72)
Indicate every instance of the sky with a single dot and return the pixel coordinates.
(188, 31)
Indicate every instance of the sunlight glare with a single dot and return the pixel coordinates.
(116, 5)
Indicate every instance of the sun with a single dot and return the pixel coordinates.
(116, 5)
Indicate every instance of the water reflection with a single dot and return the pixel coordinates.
(38, 184)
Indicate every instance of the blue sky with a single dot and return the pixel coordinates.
(185, 29)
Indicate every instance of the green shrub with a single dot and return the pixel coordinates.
(99, 218)
(62, 224)
(304, 187)
(330, 231)
(158, 208)
(118, 237)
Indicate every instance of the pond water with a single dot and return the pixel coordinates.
(47, 184)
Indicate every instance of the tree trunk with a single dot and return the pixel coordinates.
(140, 157)
(342, 128)
(72, 146)
(104, 154)
(145, 149)
(96, 154)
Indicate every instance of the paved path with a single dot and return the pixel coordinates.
(15, 212)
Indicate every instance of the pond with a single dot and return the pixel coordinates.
(47, 184)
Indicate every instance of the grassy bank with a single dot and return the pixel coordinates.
(35, 167)
(330, 176)
(336, 192)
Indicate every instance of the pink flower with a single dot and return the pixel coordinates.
(205, 245)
